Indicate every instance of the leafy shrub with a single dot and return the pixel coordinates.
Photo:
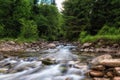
(48, 20)
(28, 29)
(82, 35)
(107, 30)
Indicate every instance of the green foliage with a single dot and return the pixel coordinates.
(82, 35)
(76, 14)
(5, 14)
(107, 30)
(105, 12)
(26, 19)
(61, 27)
(28, 29)
(22, 9)
(107, 33)
(98, 18)
(5, 9)
(10, 13)
(1, 31)
(84, 20)
(109, 38)
(47, 19)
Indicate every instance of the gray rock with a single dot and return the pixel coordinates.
(86, 45)
(98, 59)
(110, 62)
(51, 45)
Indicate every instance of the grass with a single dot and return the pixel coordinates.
(18, 40)
(107, 33)
(110, 38)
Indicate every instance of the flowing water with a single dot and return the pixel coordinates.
(66, 66)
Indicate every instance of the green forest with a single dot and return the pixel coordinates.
(80, 20)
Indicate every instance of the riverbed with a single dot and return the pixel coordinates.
(49, 61)
(59, 63)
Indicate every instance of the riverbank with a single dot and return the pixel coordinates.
(100, 46)
(26, 46)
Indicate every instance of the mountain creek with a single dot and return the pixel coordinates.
(57, 61)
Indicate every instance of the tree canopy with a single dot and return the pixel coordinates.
(18, 15)
(79, 18)
(90, 16)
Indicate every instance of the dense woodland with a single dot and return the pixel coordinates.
(80, 20)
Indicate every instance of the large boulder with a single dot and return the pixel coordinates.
(110, 62)
(116, 78)
(98, 59)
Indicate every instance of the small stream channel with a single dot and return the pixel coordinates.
(60, 63)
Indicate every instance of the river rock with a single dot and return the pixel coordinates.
(101, 79)
(1, 56)
(3, 70)
(116, 78)
(98, 59)
(98, 67)
(86, 45)
(94, 73)
(110, 74)
(11, 43)
(63, 67)
(110, 62)
(115, 45)
(51, 45)
(83, 67)
(48, 61)
(117, 71)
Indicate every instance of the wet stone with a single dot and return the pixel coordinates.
(98, 59)
(96, 73)
(51, 45)
(111, 62)
(110, 74)
(3, 70)
(116, 78)
(101, 79)
(98, 67)
(117, 71)
(48, 61)
(86, 45)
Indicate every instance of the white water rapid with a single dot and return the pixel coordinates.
(65, 68)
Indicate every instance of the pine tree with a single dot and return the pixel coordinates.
(77, 13)
(104, 12)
